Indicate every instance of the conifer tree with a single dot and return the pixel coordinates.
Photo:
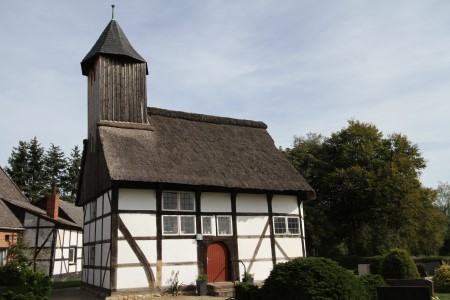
(71, 175)
(36, 183)
(55, 167)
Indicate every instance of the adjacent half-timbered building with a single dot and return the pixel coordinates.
(167, 191)
(52, 235)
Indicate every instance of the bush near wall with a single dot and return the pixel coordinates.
(22, 283)
(247, 291)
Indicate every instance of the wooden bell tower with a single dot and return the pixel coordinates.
(116, 76)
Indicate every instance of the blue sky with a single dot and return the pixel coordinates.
(300, 66)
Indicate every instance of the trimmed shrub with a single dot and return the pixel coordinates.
(441, 279)
(370, 284)
(247, 291)
(375, 264)
(398, 264)
(423, 269)
(311, 278)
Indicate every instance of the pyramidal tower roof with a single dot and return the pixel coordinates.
(112, 41)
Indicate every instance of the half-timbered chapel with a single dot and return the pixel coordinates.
(168, 191)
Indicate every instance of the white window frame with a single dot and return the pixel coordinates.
(178, 201)
(218, 229)
(286, 225)
(213, 225)
(178, 218)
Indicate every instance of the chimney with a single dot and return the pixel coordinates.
(53, 204)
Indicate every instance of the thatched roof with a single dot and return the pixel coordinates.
(197, 150)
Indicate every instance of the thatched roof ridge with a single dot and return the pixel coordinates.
(199, 150)
(204, 118)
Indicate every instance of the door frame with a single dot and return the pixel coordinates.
(230, 245)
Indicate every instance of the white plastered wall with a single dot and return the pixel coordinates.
(284, 204)
(139, 224)
(216, 202)
(177, 251)
(252, 203)
(137, 199)
(94, 232)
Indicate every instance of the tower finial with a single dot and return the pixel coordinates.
(112, 18)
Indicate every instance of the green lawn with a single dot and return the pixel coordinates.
(66, 283)
(442, 296)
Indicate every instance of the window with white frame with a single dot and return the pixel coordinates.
(224, 225)
(178, 201)
(286, 225)
(208, 225)
(178, 225)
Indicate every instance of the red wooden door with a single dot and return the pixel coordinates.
(217, 263)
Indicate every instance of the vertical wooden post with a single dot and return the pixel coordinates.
(158, 236)
(114, 236)
(271, 229)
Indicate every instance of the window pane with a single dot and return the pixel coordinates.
(207, 225)
(170, 200)
(187, 224)
(186, 201)
(170, 224)
(72, 257)
(224, 225)
(293, 225)
(279, 224)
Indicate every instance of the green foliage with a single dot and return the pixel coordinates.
(370, 283)
(375, 264)
(34, 170)
(70, 182)
(369, 195)
(12, 274)
(24, 282)
(423, 269)
(55, 165)
(441, 279)
(311, 278)
(202, 277)
(247, 291)
(398, 264)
